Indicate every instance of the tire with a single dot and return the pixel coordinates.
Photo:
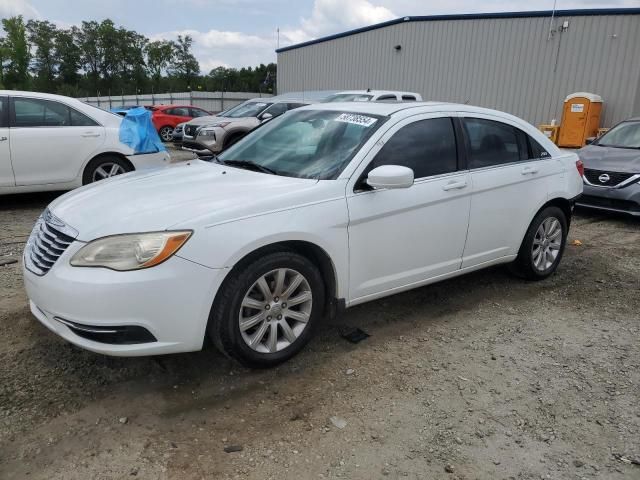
(538, 257)
(103, 167)
(166, 133)
(293, 325)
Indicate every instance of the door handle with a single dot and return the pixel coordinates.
(3, 139)
(454, 185)
(88, 135)
(529, 170)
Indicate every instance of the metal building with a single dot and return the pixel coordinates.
(523, 63)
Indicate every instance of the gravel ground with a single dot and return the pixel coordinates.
(480, 377)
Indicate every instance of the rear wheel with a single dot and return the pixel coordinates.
(543, 245)
(104, 167)
(166, 133)
(266, 311)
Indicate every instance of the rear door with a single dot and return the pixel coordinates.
(50, 141)
(510, 183)
(6, 171)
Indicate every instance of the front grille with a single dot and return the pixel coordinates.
(46, 243)
(615, 178)
(190, 130)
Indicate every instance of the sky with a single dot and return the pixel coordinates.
(240, 33)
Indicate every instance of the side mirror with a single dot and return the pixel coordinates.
(590, 140)
(390, 176)
(266, 116)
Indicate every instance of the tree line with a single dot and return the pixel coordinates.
(105, 59)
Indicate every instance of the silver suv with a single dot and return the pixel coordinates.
(212, 134)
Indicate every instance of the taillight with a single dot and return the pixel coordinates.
(580, 167)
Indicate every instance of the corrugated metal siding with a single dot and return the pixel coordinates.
(507, 64)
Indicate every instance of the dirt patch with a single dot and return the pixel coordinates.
(479, 377)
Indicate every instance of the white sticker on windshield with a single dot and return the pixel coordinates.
(356, 119)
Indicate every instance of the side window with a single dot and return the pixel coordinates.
(178, 111)
(4, 112)
(291, 106)
(387, 98)
(276, 109)
(536, 150)
(196, 112)
(409, 98)
(428, 147)
(31, 112)
(493, 143)
(81, 120)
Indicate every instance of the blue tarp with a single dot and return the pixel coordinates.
(137, 131)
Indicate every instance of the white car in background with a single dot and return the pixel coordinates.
(51, 142)
(327, 206)
(372, 96)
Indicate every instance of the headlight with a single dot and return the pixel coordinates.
(207, 132)
(130, 251)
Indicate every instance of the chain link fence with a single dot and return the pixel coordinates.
(210, 101)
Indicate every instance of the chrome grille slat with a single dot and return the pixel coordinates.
(47, 242)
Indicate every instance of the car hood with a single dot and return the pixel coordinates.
(610, 159)
(184, 195)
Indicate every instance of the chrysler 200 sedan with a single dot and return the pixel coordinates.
(325, 207)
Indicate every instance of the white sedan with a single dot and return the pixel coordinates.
(51, 142)
(325, 207)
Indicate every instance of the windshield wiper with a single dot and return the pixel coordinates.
(249, 165)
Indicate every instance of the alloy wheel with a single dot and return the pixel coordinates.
(546, 244)
(107, 170)
(166, 134)
(275, 310)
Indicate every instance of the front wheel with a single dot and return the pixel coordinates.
(266, 311)
(543, 245)
(166, 133)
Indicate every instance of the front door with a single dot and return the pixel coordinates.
(6, 171)
(401, 237)
(50, 142)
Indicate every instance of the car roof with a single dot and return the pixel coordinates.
(375, 92)
(165, 106)
(410, 108)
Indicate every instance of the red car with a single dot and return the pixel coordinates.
(166, 117)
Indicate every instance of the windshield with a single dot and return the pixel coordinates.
(624, 135)
(348, 97)
(248, 109)
(306, 144)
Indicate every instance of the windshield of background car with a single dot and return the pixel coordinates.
(625, 135)
(306, 144)
(249, 109)
(348, 97)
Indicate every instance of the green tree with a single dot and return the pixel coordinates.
(16, 50)
(42, 35)
(88, 40)
(69, 57)
(184, 64)
(159, 56)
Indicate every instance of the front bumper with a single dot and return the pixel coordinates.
(170, 301)
(210, 144)
(623, 200)
(149, 160)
